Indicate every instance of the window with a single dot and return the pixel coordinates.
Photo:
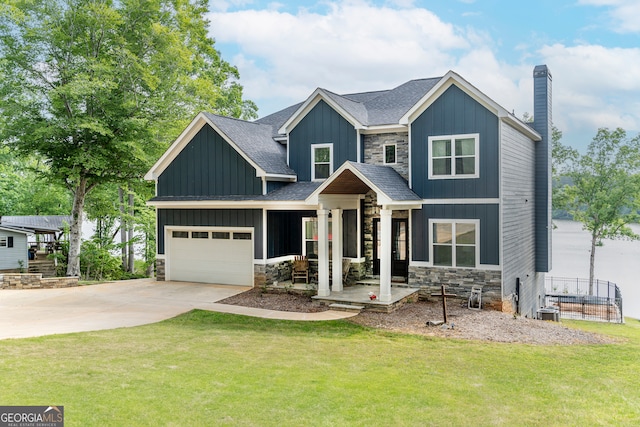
(321, 161)
(180, 234)
(3, 241)
(220, 235)
(453, 156)
(310, 238)
(199, 234)
(241, 236)
(390, 154)
(454, 243)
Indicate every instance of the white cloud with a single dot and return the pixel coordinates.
(355, 46)
(595, 86)
(625, 14)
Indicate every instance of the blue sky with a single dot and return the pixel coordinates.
(284, 50)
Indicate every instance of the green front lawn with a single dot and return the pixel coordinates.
(207, 369)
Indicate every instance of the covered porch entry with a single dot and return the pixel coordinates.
(343, 190)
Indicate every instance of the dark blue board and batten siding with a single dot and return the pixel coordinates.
(488, 214)
(284, 232)
(322, 125)
(455, 113)
(212, 218)
(209, 166)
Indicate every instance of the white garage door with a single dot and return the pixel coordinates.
(222, 255)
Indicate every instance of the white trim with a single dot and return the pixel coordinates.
(264, 234)
(313, 100)
(313, 160)
(452, 78)
(395, 153)
(382, 129)
(465, 201)
(16, 230)
(454, 222)
(427, 264)
(453, 156)
(358, 146)
(383, 199)
(409, 158)
(230, 204)
(288, 145)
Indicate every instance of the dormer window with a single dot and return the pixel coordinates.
(321, 161)
(454, 156)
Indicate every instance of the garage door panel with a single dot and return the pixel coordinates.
(220, 261)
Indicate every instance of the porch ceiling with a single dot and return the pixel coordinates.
(346, 183)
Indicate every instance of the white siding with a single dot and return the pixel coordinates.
(10, 257)
(518, 219)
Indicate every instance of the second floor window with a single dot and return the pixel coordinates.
(454, 156)
(390, 154)
(321, 161)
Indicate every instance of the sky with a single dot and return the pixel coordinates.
(285, 50)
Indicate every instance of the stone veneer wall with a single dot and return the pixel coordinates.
(459, 281)
(35, 281)
(374, 150)
(160, 270)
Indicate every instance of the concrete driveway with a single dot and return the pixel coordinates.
(36, 312)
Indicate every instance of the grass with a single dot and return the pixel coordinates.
(204, 369)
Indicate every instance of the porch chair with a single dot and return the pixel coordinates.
(300, 269)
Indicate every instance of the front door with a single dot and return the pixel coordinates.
(399, 247)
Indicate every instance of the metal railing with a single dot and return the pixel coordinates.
(571, 297)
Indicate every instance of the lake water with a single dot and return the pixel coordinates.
(617, 261)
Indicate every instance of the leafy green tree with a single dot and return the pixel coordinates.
(97, 87)
(605, 191)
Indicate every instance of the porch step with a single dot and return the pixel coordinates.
(346, 307)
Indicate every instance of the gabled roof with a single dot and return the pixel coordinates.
(397, 106)
(36, 223)
(252, 140)
(16, 230)
(356, 178)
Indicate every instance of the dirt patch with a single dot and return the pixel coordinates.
(412, 318)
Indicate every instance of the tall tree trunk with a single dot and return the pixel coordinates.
(131, 213)
(592, 261)
(123, 230)
(75, 229)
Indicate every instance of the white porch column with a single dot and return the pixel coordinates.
(323, 253)
(385, 255)
(336, 231)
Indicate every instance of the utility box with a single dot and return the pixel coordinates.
(549, 313)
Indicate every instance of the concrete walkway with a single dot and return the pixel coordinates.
(37, 312)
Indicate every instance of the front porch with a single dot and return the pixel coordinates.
(357, 297)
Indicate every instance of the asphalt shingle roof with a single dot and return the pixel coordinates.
(369, 108)
(256, 141)
(387, 180)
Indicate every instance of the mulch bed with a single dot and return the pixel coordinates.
(487, 325)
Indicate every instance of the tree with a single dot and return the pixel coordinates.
(605, 194)
(97, 87)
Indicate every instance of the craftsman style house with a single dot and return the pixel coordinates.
(427, 183)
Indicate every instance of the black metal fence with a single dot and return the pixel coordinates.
(572, 298)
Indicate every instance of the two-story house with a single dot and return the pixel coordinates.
(430, 182)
